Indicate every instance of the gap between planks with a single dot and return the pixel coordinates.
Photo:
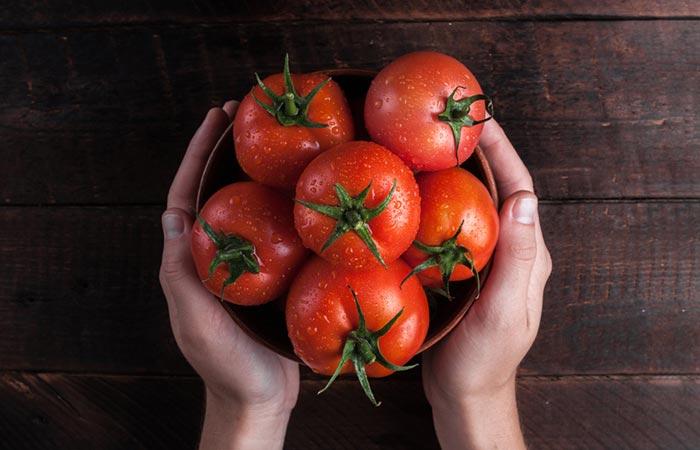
(154, 25)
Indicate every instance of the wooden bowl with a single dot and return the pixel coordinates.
(265, 323)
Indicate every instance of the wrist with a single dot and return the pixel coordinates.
(233, 424)
(475, 397)
(482, 419)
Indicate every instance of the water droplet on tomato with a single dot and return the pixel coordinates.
(335, 130)
(276, 238)
(378, 104)
(403, 139)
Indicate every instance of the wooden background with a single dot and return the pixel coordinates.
(97, 103)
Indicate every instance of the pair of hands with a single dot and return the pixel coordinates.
(251, 390)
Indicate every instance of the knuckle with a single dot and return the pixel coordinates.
(171, 269)
(523, 251)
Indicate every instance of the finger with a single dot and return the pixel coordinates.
(230, 108)
(187, 297)
(184, 188)
(508, 169)
(504, 298)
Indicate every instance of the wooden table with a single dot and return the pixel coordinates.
(97, 103)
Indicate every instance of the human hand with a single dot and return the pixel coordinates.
(250, 390)
(469, 378)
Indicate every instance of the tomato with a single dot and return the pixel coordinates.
(325, 323)
(284, 123)
(357, 205)
(458, 228)
(244, 245)
(423, 106)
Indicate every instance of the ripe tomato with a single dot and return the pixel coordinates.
(325, 310)
(357, 205)
(244, 245)
(285, 122)
(425, 105)
(458, 228)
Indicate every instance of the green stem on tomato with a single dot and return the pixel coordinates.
(456, 115)
(352, 215)
(290, 108)
(236, 252)
(362, 348)
(446, 257)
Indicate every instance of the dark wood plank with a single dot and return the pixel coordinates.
(67, 13)
(48, 411)
(624, 290)
(103, 116)
(90, 276)
(624, 284)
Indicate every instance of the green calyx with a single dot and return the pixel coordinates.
(290, 108)
(456, 114)
(237, 253)
(446, 257)
(362, 348)
(352, 215)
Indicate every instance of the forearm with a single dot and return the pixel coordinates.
(480, 422)
(228, 427)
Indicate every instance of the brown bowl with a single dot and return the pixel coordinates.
(265, 323)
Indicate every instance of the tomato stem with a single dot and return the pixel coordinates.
(456, 114)
(362, 348)
(290, 108)
(352, 215)
(446, 257)
(236, 252)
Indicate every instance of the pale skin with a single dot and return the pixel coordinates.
(469, 378)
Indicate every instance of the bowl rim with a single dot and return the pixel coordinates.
(488, 180)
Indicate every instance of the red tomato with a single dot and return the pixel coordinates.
(357, 205)
(450, 199)
(247, 243)
(288, 125)
(323, 319)
(421, 105)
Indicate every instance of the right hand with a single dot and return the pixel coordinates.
(477, 362)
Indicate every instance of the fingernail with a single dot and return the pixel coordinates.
(525, 209)
(173, 226)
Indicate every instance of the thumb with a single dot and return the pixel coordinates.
(505, 293)
(177, 273)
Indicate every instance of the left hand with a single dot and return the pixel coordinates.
(246, 383)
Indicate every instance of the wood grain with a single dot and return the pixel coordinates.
(68, 13)
(623, 297)
(103, 116)
(48, 411)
